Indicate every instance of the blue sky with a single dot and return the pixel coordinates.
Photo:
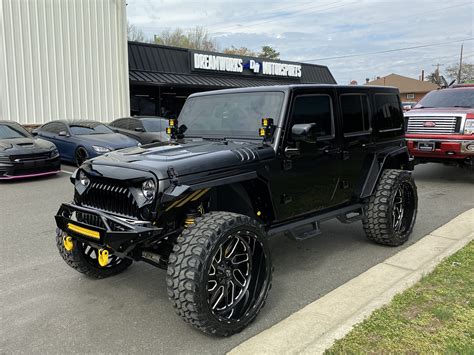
(311, 31)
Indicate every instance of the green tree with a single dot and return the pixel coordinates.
(134, 33)
(268, 52)
(197, 38)
(244, 51)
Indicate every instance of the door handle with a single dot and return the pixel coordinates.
(332, 151)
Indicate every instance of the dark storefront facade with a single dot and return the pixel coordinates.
(161, 77)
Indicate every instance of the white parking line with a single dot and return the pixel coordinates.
(67, 172)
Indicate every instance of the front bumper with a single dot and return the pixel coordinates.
(457, 147)
(103, 230)
(10, 170)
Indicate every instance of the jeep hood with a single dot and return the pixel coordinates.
(186, 157)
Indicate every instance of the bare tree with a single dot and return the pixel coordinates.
(467, 72)
(197, 38)
(134, 33)
(244, 51)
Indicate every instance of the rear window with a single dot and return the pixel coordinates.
(448, 98)
(388, 113)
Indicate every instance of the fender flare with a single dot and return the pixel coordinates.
(175, 191)
(376, 165)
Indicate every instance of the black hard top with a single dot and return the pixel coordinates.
(287, 88)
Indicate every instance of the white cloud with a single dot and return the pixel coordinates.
(305, 30)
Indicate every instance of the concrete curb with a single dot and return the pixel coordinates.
(314, 328)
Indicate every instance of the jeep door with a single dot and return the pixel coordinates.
(356, 117)
(305, 178)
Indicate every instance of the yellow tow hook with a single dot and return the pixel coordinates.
(68, 244)
(103, 257)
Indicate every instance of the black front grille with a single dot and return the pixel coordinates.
(30, 157)
(110, 197)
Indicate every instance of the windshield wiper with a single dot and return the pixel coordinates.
(215, 138)
(462, 106)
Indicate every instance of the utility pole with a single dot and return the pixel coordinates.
(460, 65)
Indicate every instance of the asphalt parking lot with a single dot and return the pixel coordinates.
(48, 307)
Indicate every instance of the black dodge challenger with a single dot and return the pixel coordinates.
(22, 155)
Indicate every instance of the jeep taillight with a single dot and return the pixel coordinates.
(469, 125)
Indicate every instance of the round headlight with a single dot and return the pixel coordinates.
(83, 179)
(149, 189)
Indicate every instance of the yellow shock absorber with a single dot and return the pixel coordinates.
(189, 221)
(68, 244)
(103, 257)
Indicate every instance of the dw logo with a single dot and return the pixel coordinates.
(254, 66)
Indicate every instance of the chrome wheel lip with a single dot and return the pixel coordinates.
(402, 216)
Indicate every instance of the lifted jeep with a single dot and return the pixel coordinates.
(242, 165)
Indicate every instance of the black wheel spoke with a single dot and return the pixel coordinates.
(230, 274)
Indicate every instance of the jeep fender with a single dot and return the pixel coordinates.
(397, 158)
(244, 193)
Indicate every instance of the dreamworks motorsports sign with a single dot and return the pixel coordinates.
(212, 62)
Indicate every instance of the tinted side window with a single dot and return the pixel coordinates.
(355, 113)
(314, 109)
(120, 123)
(134, 123)
(54, 127)
(387, 113)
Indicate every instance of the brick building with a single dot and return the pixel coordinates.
(410, 89)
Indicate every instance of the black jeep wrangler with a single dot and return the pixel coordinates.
(242, 165)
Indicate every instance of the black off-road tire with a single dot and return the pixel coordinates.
(78, 260)
(379, 217)
(191, 262)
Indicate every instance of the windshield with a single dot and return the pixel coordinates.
(448, 98)
(236, 115)
(154, 124)
(7, 132)
(83, 129)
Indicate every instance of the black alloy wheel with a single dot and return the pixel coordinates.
(403, 208)
(219, 273)
(230, 275)
(80, 156)
(390, 214)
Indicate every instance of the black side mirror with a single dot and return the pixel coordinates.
(139, 129)
(63, 134)
(303, 132)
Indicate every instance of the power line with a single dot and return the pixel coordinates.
(268, 14)
(389, 50)
(293, 14)
(389, 19)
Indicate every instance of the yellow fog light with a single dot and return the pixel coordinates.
(103, 257)
(68, 244)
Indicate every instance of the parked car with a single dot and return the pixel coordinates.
(243, 164)
(22, 155)
(78, 141)
(440, 128)
(407, 106)
(143, 129)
